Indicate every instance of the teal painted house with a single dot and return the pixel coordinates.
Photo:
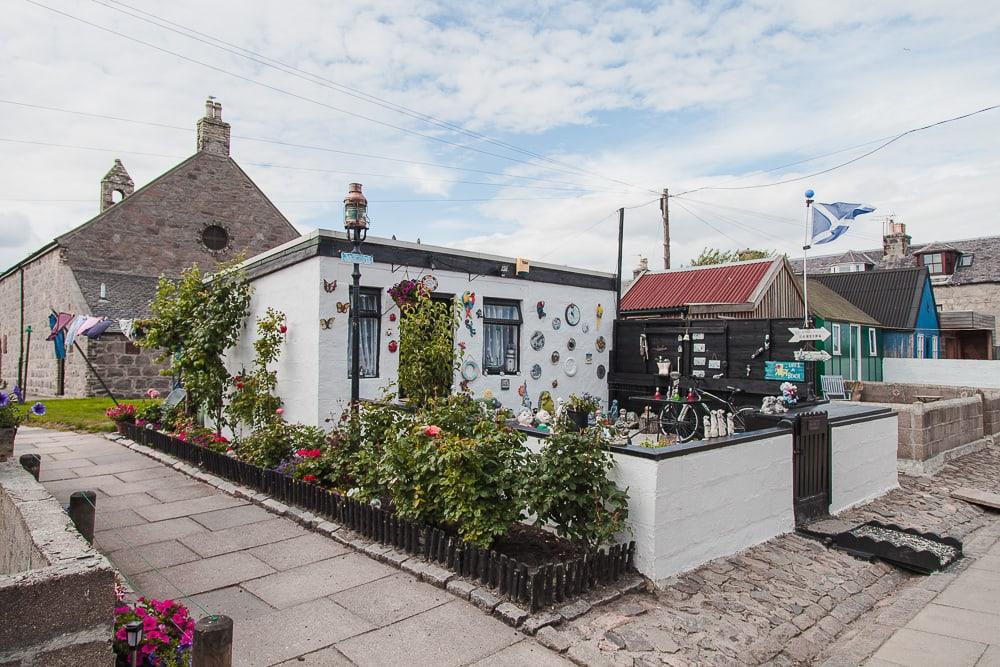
(901, 301)
(856, 338)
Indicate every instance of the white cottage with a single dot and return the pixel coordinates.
(548, 328)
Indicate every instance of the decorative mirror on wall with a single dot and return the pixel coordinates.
(572, 314)
(537, 340)
(571, 344)
(556, 323)
(555, 356)
(536, 372)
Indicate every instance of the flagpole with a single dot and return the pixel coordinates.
(805, 258)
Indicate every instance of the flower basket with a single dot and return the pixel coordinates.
(578, 420)
(7, 442)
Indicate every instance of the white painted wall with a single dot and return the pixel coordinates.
(951, 372)
(864, 462)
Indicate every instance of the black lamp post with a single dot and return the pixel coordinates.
(133, 636)
(356, 224)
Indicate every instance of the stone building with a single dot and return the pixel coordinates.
(202, 211)
(965, 278)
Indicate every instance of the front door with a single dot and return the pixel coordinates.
(811, 467)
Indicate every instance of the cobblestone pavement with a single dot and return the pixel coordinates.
(296, 597)
(788, 600)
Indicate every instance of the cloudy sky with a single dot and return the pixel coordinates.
(503, 127)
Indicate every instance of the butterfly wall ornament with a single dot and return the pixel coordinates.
(343, 306)
(327, 323)
(329, 286)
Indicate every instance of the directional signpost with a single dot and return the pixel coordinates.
(799, 335)
(812, 355)
(356, 258)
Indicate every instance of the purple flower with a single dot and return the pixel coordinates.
(38, 409)
(18, 394)
(4, 399)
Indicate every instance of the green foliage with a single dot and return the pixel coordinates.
(194, 321)
(277, 441)
(252, 400)
(571, 490)
(427, 359)
(149, 412)
(76, 414)
(711, 256)
(457, 465)
(583, 403)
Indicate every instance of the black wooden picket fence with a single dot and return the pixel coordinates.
(533, 586)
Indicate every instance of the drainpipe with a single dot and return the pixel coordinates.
(20, 328)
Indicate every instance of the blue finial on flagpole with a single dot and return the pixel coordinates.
(810, 194)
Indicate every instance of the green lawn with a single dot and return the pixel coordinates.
(75, 414)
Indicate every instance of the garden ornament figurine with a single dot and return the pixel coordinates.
(525, 418)
(599, 313)
(730, 423)
(543, 416)
(540, 307)
(613, 411)
(469, 302)
(707, 421)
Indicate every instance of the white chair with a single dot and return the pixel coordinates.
(833, 386)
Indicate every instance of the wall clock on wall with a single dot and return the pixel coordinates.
(572, 314)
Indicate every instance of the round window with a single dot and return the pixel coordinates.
(215, 237)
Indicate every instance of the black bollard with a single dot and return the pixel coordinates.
(32, 463)
(213, 642)
(83, 511)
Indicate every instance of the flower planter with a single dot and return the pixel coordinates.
(7, 442)
(578, 420)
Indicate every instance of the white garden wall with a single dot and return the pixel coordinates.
(951, 372)
(864, 462)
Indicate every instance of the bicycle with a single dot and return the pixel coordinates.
(683, 419)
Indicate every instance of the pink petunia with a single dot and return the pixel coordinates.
(280, 411)
(121, 635)
(432, 431)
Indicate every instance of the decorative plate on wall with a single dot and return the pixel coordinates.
(571, 344)
(430, 282)
(601, 371)
(470, 370)
(536, 372)
(537, 340)
(572, 314)
(570, 367)
(556, 323)
(555, 356)
(600, 343)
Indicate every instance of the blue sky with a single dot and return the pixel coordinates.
(674, 94)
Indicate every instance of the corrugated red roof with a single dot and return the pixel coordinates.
(726, 283)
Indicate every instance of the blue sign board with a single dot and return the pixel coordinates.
(786, 371)
(356, 258)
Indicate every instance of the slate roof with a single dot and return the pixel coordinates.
(985, 266)
(829, 305)
(128, 296)
(720, 284)
(890, 296)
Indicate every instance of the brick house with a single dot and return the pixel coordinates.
(964, 277)
(204, 210)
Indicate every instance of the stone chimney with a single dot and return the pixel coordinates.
(116, 180)
(895, 242)
(642, 268)
(213, 133)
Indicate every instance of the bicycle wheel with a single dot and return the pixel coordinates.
(741, 419)
(679, 420)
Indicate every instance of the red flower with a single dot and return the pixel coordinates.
(310, 478)
(432, 431)
(239, 385)
(309, 453)
(283, 329)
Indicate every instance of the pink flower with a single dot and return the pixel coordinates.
(283, 329)
(152, 393)
(147, 649)
(148, 623)
(310, 478)
(280, 411)
(120, 634)
(124, 609)
(432, 431)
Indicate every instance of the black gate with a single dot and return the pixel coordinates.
(811, 466)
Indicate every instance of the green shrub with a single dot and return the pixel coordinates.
(277, 441)
(252, 401)
(427, 357)
(570, 488)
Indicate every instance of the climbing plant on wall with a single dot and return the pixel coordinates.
(252, 399)
(194, 321)
(427, 357)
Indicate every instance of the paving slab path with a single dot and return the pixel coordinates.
(296, 597)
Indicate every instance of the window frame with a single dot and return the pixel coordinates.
(929, 261)
(517, 324)
(872, 342)
(835, 331)
(970, 256)
(370, 314)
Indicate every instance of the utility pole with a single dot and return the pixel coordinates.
(618, 275)
(665, 212)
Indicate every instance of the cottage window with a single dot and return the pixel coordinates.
(501, 336)
(934, 262)
(872, 343)
(920, 346)
(835, 330)
(965, 260)
(369, 321)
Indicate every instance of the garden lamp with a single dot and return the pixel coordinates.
(133, 635)
(356, 224)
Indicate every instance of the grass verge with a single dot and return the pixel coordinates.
(75, 414)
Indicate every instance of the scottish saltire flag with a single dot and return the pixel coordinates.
(830, 221)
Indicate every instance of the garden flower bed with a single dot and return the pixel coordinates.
(520, 579)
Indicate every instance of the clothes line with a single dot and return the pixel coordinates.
(69, 326)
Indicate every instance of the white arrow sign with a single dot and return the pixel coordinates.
(812, 355)
(799, 335)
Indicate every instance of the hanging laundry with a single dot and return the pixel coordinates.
(89, 322)
(127, 327)
(58, 323)
(99, 328)
(59, 339)
(73, 329)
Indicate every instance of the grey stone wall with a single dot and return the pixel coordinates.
(891, 392)
(60, 610)
(980, 297)
(127, 370)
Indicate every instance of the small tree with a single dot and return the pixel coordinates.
(427, 359)
(711, 256)
(195, 319)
